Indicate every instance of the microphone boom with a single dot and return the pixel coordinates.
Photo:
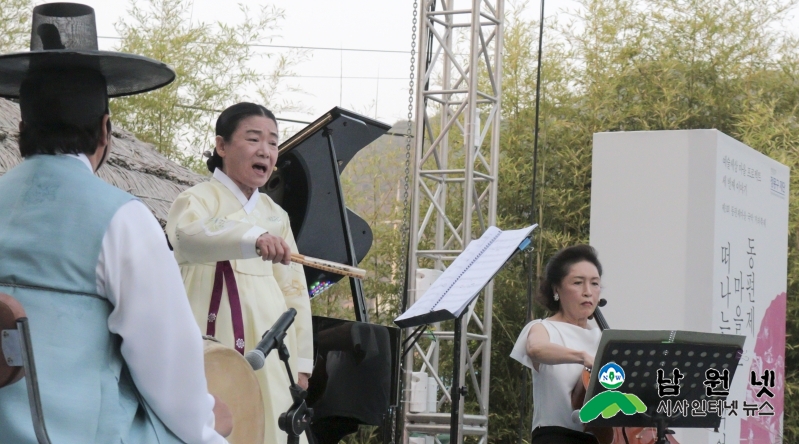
(271, 339)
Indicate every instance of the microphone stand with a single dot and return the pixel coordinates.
(298, 417)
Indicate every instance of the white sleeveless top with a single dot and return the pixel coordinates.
(553, 384)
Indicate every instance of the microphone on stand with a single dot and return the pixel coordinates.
(271, 339)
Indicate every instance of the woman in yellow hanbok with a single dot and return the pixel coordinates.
(233, 245)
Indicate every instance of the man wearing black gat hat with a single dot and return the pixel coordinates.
(118, 354)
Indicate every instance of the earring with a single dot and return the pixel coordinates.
(557, 298)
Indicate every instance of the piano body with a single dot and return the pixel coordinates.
(356, 372)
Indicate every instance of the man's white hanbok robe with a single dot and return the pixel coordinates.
(106, 308)
(213, 222)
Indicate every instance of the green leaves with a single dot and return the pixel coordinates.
(630, 65)
(215, 66)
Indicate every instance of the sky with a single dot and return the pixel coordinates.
(366, 69)
(366, 81)
(359, 50)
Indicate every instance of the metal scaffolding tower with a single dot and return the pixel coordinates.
(454, 199)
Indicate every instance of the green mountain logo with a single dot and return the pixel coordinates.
(609, 403)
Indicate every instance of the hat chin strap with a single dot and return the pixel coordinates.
(105, 153)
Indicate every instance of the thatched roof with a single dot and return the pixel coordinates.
(133, 166)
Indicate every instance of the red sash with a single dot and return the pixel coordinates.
(225, 270)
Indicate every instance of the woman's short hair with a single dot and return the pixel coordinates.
(558, 268)
(228, 122)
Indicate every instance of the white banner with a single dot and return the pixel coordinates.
(750, 272)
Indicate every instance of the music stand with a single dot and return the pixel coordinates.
(640, 353)
(513, 242)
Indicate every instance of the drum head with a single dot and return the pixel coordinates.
(233, 381)
(10, 311)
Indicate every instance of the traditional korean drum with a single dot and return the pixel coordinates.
(231, 379)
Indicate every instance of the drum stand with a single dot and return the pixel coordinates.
(298, 417)
(662, 428)
(17, 349)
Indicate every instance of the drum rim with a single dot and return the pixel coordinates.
(213, 347)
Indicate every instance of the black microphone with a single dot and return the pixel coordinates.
(271, 339)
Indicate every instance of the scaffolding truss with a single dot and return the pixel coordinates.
(458, 89)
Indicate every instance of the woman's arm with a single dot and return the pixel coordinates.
(542, 351)
(198, 237)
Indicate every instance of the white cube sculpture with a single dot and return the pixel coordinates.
(692, 231)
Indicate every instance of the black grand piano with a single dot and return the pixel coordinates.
(356, 363)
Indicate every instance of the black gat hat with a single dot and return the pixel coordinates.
(64, 38)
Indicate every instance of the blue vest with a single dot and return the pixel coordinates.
(53, 215)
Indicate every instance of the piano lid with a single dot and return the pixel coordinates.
(306, 186)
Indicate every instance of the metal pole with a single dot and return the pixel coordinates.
(530, 256)
(453, 180)
(535, 160)
(413, 238)
(488, 302)
(456, 420)
(32, 382)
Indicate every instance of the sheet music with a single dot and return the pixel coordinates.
(469, 273)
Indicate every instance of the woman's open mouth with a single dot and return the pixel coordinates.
(259, 168)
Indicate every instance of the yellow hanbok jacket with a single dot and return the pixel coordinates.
(213, 221)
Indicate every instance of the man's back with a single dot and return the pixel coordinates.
(55, 215)
(117, 351)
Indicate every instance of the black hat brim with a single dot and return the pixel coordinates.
(125, 74)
